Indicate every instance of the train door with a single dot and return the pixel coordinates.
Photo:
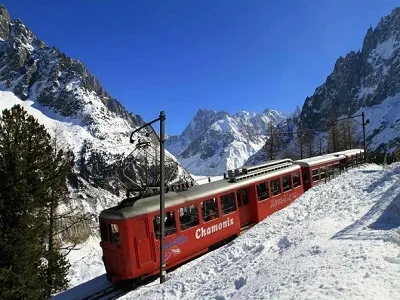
(144, 249)
(244, 207)
(306, 178)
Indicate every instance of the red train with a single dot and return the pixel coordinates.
(207, 215)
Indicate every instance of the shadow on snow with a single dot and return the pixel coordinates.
(383, 215)
(84, 289)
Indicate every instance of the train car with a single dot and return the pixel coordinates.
(280, 187)
(196, 219)
(353, 157)
(319, 169)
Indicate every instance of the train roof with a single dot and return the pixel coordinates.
(152, 204)
(317, 160)
(349, 152)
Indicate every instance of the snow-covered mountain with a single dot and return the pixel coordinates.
(61, 85)
(215, 141)
(364, 81)
(64, 96)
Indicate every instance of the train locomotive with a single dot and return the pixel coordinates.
(204, 216)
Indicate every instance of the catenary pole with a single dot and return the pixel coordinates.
(162, 195)
(162, 119)
(365, 144)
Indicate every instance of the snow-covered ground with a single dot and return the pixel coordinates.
(340, 240)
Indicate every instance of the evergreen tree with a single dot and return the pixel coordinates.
(82, 164)
(97, 168)
(72, 177)
(32, 177)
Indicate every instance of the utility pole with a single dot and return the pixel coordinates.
(162, 195)
(162, 119)
(363, 123)
(365, 144)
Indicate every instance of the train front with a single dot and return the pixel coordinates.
(115, 245)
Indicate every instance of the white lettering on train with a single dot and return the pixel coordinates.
(285, 198)
(202, 232)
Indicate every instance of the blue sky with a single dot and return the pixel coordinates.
(183, 55)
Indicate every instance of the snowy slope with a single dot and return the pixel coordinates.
(384, 123)
(72, 130)
(324, 245)
(340, 240)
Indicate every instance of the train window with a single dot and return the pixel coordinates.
(286, 183)
(228, 203)
(239, 198)
(330, 171)
(315, 175)
(296, 179)
(243, 197)
(209, 209)
(306, 177)
(188, 216)
(156, 224)
(169, 223)
(322, 173)
(262, 191)
(336, 169)
(114, 230)
(275, 187)
(103, 231)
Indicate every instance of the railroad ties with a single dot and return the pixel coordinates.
(107, 293)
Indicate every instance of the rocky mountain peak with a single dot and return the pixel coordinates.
(4, 23)
(361, 79)
(215, 141)
(33, 70)
(202, 120)
(387, 28)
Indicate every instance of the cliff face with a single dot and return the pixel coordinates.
(32, 70)
(64, 96)
(361, 79)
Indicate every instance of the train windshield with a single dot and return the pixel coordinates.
(109, 233)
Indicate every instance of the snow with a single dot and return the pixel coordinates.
(380, 117)
(339, 240)
(231, 140)
(364, 91)
(73, 131)
(385, 49)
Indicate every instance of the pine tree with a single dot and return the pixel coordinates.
(82, 164)
(97, 168)
(31, 178)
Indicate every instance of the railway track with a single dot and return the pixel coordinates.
(111, 292)
(108, 293)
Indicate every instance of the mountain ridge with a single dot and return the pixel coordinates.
(73, 100)
(361, 79)
(215, 141)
